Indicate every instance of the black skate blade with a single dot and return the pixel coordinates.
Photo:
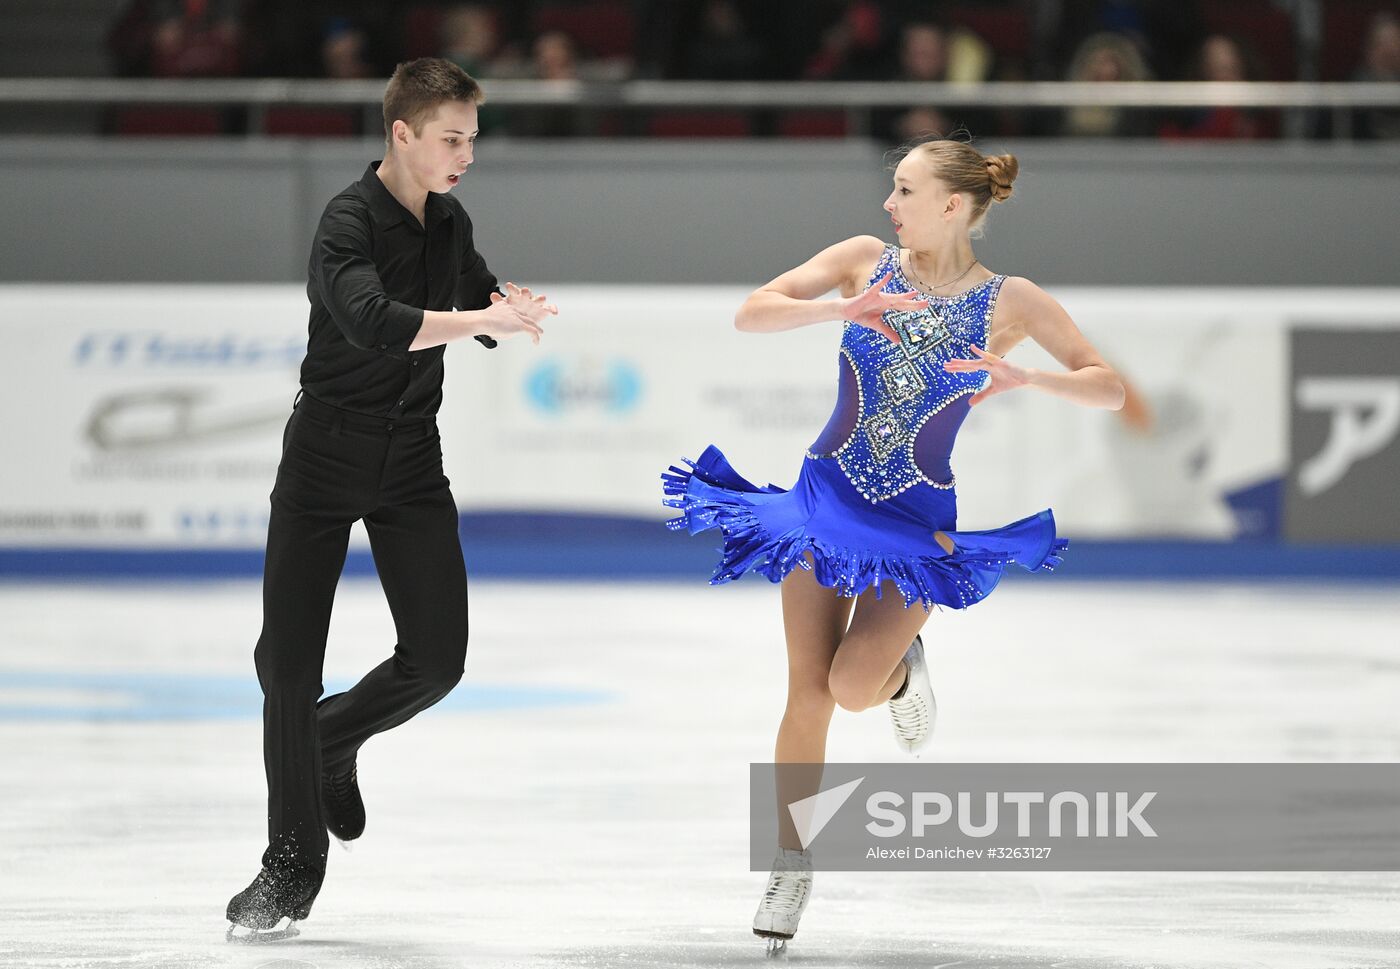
(261, 936)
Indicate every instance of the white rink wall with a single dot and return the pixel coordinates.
(152, 415)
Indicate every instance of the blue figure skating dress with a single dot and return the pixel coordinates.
(876, 485)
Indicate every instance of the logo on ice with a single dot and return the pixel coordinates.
(1099, 814)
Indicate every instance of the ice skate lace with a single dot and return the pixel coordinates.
(341, 787)
(787, 891)
(910, 716)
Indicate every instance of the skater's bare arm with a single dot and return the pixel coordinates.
(520, 311)
(792, 300)
(1032, 312)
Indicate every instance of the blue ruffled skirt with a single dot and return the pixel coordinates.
(854, 545)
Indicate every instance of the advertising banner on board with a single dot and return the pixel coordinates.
(152, 416)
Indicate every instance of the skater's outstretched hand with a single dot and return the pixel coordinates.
(537, 307)
(503, 320)
(869, 308)
(1005, 376)
(519, 311)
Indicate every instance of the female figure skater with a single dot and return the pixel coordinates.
(926, 329)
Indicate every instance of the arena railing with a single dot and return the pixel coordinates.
(857, 98)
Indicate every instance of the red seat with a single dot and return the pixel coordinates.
(422, 32)
(175, 121)
(698, 124)
(309, 122)
(813, 124)
(601, 29)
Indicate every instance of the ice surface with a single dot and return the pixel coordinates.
(582, 799)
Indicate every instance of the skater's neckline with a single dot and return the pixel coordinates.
(899, 268)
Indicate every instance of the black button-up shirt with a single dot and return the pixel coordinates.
(374, 270)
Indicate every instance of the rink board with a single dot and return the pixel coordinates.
(152, 422)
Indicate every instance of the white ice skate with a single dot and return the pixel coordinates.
(914, 712)
(780, 909)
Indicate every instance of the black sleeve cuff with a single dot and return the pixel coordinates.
(486, 341)
(397, 330)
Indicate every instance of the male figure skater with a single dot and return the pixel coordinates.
(393, 277)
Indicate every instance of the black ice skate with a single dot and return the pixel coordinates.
(273, 896)
(341, 803)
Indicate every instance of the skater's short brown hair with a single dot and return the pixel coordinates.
(983, 178)
(418, 87)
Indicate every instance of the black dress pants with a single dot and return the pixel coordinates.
(339, 467)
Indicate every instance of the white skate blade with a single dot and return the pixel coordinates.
(259, 936)
(345, 845)
(777, 948)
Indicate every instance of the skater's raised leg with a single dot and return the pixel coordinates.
(868, 667)
(881, 658)
(913, 710)
(419, 560)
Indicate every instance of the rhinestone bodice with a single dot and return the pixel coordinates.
(900, 387)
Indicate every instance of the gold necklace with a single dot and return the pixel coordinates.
(929, 289)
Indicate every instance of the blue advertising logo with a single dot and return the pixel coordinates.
(221, 523)
(558, 387)
(156, 350)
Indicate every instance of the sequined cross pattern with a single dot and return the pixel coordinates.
(900, 386)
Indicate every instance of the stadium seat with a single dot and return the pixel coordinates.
(813, 124)
(422, 31)
(309, 122)
(175, 121)
(699, 124)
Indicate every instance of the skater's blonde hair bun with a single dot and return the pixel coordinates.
(983, 178)
(1001, 172)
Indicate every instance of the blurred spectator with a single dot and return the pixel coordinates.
(854, 48)
(178, 38)
(927, 52)
(196, 38)
(470, 38)
(969, 58)
(722, 46)
(1106, 57)
(1166, 32)
(923, 52)
(1222, 59)
(920, 124)
(343, 51)
(555, 57)
(1380, 64)
(923, 56)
